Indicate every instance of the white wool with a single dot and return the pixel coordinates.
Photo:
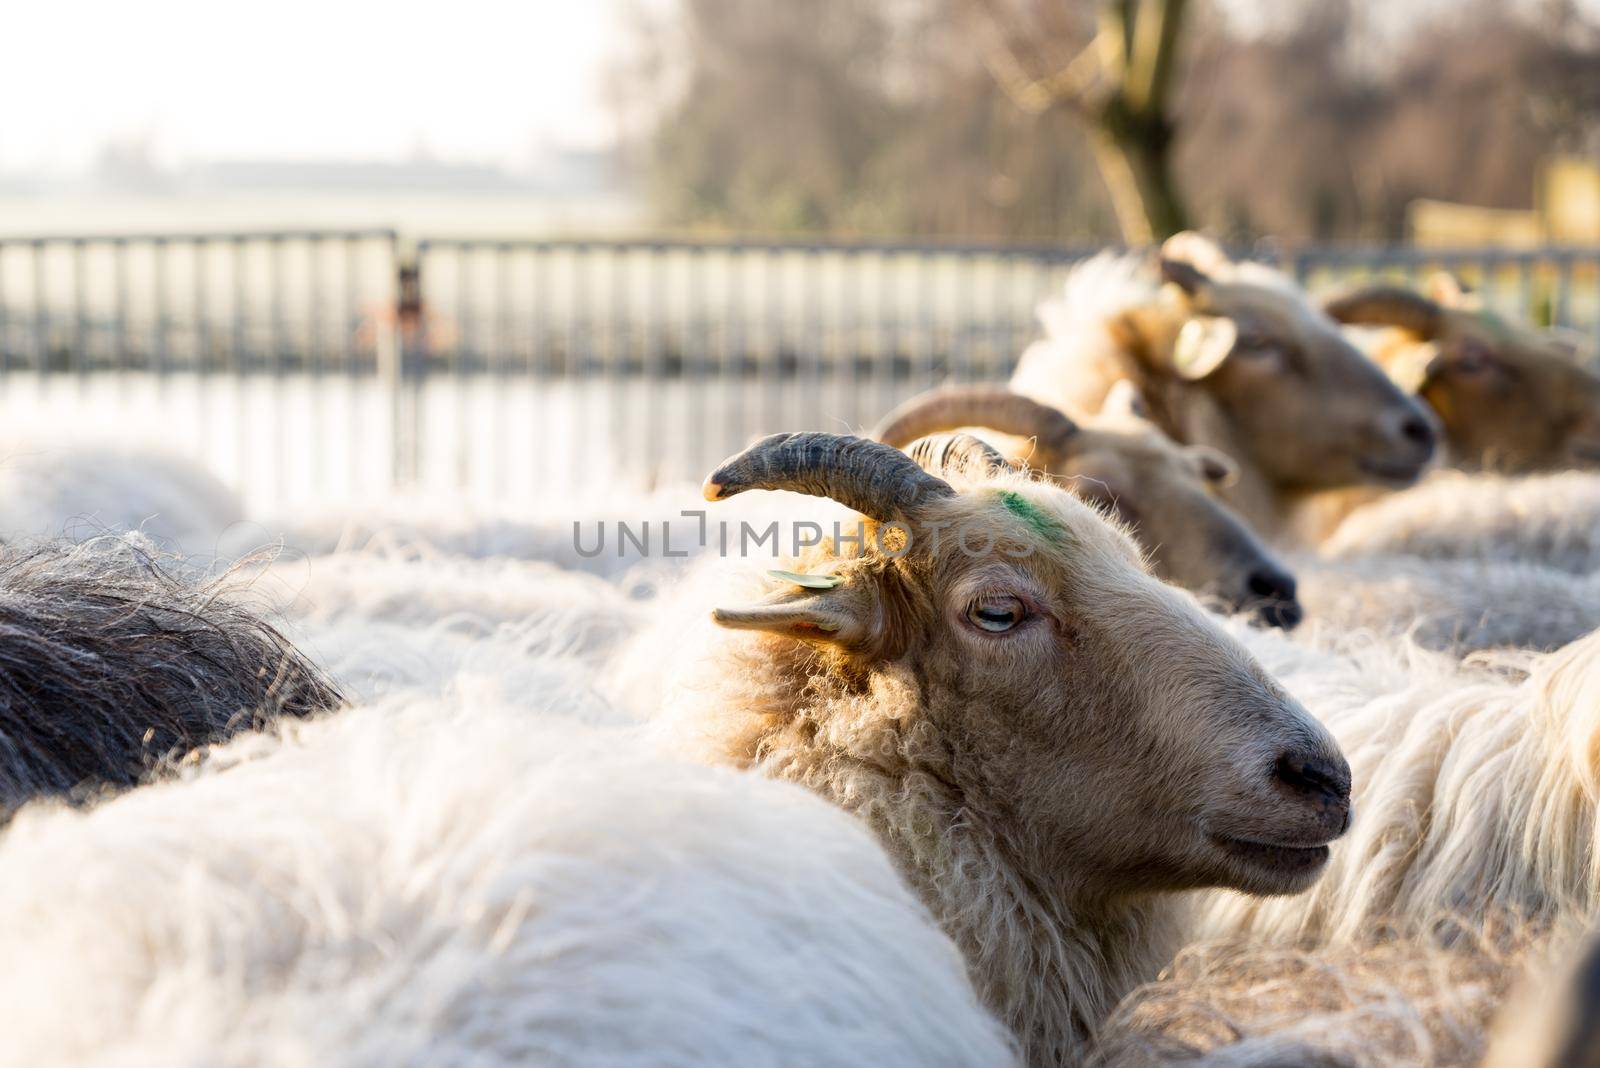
(424, 882)
(51, 491)
(1457, 605)
(1476, 785)
(420, 587)
(513, 665)
(1109, 283)
(1099, 287)
(579, 535)
(1553, 520)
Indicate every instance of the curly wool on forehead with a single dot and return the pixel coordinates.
(1108, 284)
(1269, 305)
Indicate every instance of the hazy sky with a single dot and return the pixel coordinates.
(484, 80)
(471, 79)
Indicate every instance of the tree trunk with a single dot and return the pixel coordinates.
(1130, 130)
(1134, 153)
(1133, 131)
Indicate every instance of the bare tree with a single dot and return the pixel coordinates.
(932, 117)
(1120, 84)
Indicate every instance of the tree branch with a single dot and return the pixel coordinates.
(1153, 46)
(1071, 85)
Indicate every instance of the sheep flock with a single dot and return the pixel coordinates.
(1222, 690)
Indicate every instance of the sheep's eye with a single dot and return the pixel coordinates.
(996, 614)
(1472, 359)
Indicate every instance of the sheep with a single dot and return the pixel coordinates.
(414, 523)
(1554, 1024)
(111, 659)
(1509, 399)
(1552, 520)
(1047, 740)
(1473, 851)
(1397, 1003)
(1165, 493)
(80, 493)
(1457, 606)
(1507, 996)
(427, 881)
(1476, 791)
(1233, 356)
(417, 586)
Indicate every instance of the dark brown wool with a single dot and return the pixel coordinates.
(113, 661)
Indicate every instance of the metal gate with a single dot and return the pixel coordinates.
(315, 365)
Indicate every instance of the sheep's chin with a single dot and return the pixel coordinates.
(1585, 453)
(1384, 471)
(1269, 869)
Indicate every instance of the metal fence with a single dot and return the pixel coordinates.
(1556, 286)
(317, 364)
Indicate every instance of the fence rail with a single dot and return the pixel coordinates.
(310, 363)
(1555, 286)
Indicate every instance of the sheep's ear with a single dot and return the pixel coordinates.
(1445, 289)
(846, 615)
(1199, 253)
(1175, 341)
(1412, 365)
(1202, 344)
(1124, 400)
(1186, 276)
(1216, 468)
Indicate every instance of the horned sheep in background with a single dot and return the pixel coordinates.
(1510, 399)
(1047, 740)
(1230, 355)
(1165, 493)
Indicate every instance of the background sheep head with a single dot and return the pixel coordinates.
(1509, 399)
(1164, 493)
(1086, 713)
(1231, 355)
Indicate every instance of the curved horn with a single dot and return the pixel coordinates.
(878, 481)
(995, 407)
(943, 454)
(1389, 306)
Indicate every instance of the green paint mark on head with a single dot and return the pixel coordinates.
(1042, 522)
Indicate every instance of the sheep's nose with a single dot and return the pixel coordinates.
(1272, 584)
(1409, 428)
(1323, 782)
(1274, 592)
(1416, 430)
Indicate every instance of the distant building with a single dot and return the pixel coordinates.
(1566, 212)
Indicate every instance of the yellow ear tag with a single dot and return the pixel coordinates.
(1203, 343)
(810, 582)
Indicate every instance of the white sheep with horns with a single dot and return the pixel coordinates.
(1235, 356)
(1048, 741)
